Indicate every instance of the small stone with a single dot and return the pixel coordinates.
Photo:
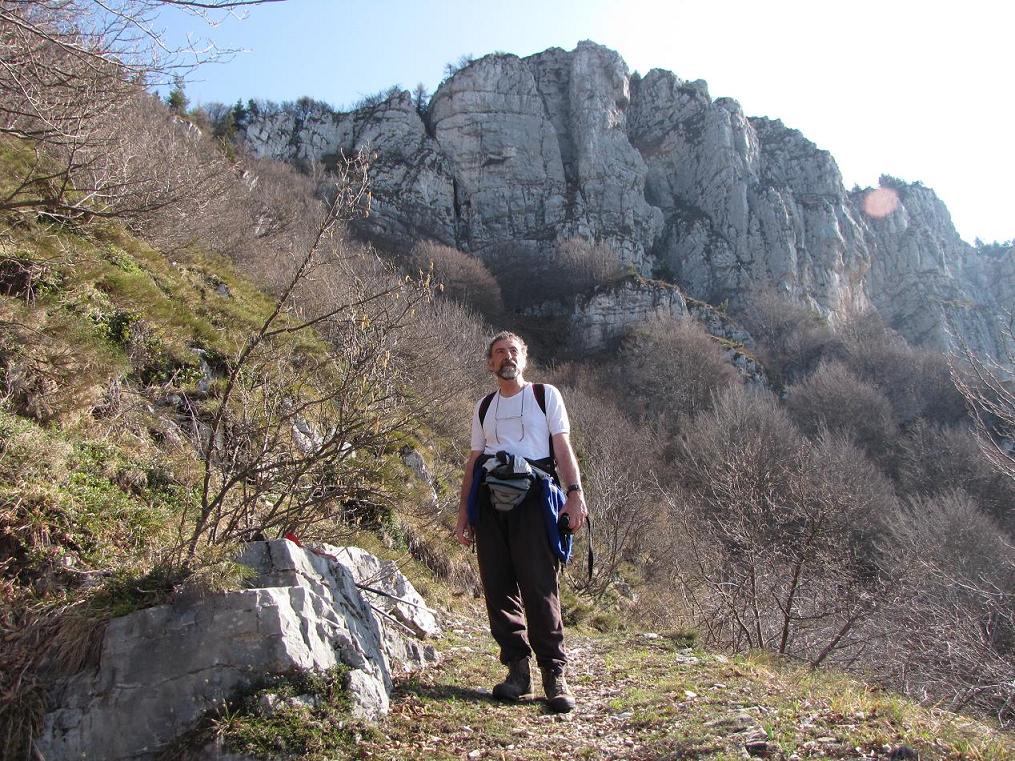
(688, 695)
(475, 753)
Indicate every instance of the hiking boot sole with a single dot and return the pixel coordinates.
(510, 695)
(560, 704)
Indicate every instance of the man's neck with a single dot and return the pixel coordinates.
(510, 386)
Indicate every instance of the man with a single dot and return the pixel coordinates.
(517, 566)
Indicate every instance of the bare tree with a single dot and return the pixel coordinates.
(667, 369)
(780, 529)
(296, 437)
(988, 386)
(581, 264)
(791, 337)
(72, 77)
(617, 461)
(951, 638)
(463, 277)
(932, 460)
(833, 398)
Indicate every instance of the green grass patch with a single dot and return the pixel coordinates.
(304, 714)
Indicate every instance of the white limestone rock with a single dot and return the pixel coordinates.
(410, 180)
(587, 94)
(491, 124)
(162, 668)
(924, 275)
(745, 200)
(608, 313)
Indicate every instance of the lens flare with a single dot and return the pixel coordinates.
(881, 202)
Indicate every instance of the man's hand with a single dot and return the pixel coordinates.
(463, 532)
(575, 510)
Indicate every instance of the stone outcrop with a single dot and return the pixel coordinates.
(599, 318)
(524, 152)
(411, 179)
(162, 668)
(746, 200)
(926, 276)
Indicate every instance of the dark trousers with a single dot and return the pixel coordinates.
(519, 574)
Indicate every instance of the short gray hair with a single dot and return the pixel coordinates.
(507, 335)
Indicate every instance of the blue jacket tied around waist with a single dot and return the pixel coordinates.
(545, 494)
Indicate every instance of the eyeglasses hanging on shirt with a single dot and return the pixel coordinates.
(520, 417)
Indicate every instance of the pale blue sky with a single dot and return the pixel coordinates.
(919, 90)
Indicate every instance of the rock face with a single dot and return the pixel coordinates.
(523, 153)
(926, 276)
(162, 668)
(606, 314)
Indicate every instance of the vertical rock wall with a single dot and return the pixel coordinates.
(517, 154)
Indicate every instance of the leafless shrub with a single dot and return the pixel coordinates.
(72, 76)
(583, 264)
(833, 398)
(987, 385)
(791, 337)
(531, 274)
(523, 270)
(442, 350)
(941, 402)
(667, 369)
(295, 436)
(463, 277)
(781, 549)
(617, 462)
(933, 460)
(878, 355)
(952, 638)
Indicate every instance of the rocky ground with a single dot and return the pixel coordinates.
(650, 696)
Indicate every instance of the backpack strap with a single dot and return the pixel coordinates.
(539, 391)
(485, 405)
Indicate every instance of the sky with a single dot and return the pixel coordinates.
(918, 90)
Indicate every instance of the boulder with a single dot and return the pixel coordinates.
(161, 669)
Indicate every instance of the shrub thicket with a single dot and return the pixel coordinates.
(668, 369)
(463, 278)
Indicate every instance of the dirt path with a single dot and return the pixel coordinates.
(644, 696)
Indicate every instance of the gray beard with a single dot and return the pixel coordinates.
(509, 372)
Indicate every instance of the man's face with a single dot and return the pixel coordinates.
(507, 359)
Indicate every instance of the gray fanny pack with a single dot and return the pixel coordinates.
(508, 479)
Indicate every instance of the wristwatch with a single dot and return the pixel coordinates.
(574, 487)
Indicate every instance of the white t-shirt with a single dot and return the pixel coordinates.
(515, 424)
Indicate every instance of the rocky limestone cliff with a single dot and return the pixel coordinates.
(529, 151)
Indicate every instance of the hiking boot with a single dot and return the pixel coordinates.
(558, 696)
(517, 684)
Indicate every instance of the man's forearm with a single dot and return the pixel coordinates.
(567, 463)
